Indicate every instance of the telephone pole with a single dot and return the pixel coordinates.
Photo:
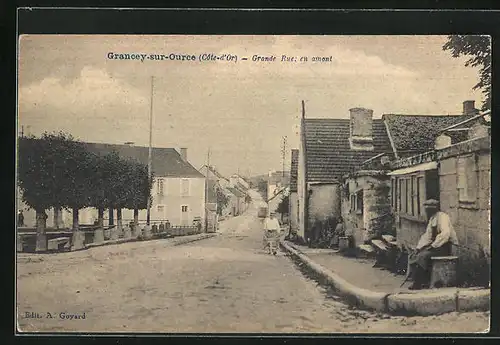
(148, 216)
(283, 153)
(206, 190)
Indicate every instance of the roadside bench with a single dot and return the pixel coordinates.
(444, 271)
(58, 243)
(386, 252)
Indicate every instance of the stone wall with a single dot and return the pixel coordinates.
(324, 202)
(375, 219)
(470, 221)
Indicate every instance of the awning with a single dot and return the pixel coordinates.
(418, 167)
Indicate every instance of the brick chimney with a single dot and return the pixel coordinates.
(183, 153)
(361, 129)
(469, 108)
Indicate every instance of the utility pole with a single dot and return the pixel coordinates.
(283, 154)
(206, 190)
(148, 216)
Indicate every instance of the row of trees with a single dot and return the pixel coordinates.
(56, 171)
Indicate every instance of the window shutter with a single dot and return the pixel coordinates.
(471, 178)
(462, 179)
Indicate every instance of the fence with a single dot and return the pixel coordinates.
(27, 236)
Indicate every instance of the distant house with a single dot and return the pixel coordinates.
(293, 203)
(276, 181)
(237, 201)
(237, 181)
(330, 149)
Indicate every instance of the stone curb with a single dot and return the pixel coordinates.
(188, 240)
(431, 302)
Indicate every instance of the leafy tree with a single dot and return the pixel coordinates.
(53, 171)
(222, 200)
(262, 188)
(283, 205)
(248, 198)
(139, 186)
(478, 51)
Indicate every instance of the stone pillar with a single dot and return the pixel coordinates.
(77, 240)
(146, 232)
(444, 271)
(127, 231)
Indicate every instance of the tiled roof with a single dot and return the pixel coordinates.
(413, 134)
(166, 162)
(294, 170)
(328, 152)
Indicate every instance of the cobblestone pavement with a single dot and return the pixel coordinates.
(222, 284)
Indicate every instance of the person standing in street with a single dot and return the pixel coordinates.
(20, 218)
(436, 241)
(272, 230)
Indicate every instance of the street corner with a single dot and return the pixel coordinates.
(423, 302)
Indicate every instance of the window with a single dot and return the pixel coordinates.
(160, 186)
(359, 201)
(184, 208)
(400, 195)
(160, 208)
(420, 195)
(467, 179)
(185, 187)
(413, 191)
(414, 196)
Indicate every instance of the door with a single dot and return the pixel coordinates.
(185, 215)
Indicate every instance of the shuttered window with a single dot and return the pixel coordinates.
(185, 187)
(467, 183)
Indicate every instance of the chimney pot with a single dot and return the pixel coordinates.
(361, 128)
(469, 107)
(442, 141)
(184, 153)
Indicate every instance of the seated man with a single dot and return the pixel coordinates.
(436, 241)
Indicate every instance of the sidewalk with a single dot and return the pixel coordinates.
(357, 271)
(371, 288)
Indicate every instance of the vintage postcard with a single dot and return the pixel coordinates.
(253, 184)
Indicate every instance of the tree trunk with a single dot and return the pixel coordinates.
(78, 236)
(41, 236)
(99, 232)
(119, 223)
(111, 219)
(58, 221)
(135, 229)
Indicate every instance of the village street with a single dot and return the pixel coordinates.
(222, 284)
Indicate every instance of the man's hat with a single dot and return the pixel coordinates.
(431, 203)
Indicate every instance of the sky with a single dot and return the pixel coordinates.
(239, 110)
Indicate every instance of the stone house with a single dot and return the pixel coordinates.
(178, 190)
(237, 201)
(366, 202)
(330, 149)
(458, 175)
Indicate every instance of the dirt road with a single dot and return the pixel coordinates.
(223, 284)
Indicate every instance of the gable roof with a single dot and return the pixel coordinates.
(328, 152)
(166, 162)
(294, 170)
(236, 192)
(213, 171)
(413, 134)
